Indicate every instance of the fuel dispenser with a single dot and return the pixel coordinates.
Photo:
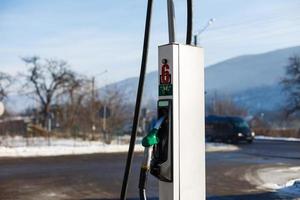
(177, 157)
(175, 148)
(161, 164)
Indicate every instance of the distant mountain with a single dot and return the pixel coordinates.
(128, 87)
(252, 80)
(249, 71)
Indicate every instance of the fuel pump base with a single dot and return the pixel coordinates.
(181, 83)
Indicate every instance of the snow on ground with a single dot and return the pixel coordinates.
(38, 146)
(284, 180)
(22, 147)
(63, 150)
(216, 147)
(260, 137)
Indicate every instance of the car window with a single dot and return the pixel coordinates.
(240, 124)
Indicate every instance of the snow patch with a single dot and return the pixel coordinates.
(23, 147)
(276, 138)
(34, 147)
(292, 187)
(217, 147)
(284, 180)
(63, 150)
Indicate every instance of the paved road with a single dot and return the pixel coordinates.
(234, 165)
(99, 176)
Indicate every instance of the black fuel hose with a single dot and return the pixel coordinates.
(143, 195)
(138, 101)
(148, 142)
(142, 183)
(189, 31)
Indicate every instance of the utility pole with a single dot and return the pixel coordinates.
(105, 113)
(104, 118)
(93, 103)
(93, 89)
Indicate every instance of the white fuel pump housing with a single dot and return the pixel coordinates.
(181, 81)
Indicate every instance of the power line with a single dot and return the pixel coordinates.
(255, 22)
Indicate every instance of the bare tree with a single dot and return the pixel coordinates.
(291, 85)
(117, 112)
(5, 82)
(224, 106)
(115, 102)
(48, 79)
(74, 108)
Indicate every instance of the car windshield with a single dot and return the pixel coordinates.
(240, 124)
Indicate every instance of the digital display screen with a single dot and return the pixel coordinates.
(163, 103)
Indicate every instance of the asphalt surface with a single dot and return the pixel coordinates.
(99, 176)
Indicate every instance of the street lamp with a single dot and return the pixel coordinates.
(210, 22)
(93, 96)
(94, 80)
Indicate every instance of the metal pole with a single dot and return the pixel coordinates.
(93, 107)
(171, 21)
(104, 118)
(49, 129)
(49, 124)
(195, 40)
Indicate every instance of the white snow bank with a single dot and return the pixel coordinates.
(63, 150)
(216, 147)
(18, 141)
(277, 138)
(22, 147)
(291, 187)
(284, 180)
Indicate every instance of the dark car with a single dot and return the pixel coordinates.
(227, 129)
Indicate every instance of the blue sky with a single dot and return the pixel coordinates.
(95, 35)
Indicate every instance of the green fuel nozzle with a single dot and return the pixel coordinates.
(151, 138)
